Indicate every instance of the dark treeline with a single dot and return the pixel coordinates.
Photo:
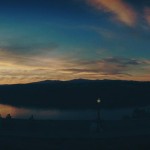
(76, 94)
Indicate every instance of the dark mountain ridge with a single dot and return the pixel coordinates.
(77, 94)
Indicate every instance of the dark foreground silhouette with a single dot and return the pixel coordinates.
(20, 134)
(121, 143)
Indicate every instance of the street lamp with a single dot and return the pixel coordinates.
(98, 114)
(98, 100)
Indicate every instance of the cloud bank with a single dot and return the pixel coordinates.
(18, 68)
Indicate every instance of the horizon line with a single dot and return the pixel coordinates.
(83, 79)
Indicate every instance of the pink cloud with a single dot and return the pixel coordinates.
(120, 10)
(147, 14)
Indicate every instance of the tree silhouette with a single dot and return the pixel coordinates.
(8, 117)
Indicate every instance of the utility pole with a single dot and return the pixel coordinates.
(98, 115)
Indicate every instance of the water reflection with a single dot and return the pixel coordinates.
(26, 112)
(62, 114)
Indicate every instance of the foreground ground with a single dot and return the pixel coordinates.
(119, 143)
(74, 135)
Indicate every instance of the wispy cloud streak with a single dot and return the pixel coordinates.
(119, 9)
(147, 14)
(16, 68)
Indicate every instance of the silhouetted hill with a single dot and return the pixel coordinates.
(76, 94)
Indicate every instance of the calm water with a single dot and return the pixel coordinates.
(62, 114)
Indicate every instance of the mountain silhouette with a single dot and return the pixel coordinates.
(76, 94)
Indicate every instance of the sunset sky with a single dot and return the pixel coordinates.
(70, 39)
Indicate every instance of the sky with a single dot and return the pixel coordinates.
(71, 39)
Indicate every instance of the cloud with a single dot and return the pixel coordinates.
(123, 61)
(106, 33)
(24, 46)
(16, 68)
(120, 10)
(109, 68)
(124, 66)
(147, 14)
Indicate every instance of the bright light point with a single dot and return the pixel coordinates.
(98, 101)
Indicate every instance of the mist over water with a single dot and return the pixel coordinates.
(112, 114)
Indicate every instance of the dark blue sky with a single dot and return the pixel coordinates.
(68, 39)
